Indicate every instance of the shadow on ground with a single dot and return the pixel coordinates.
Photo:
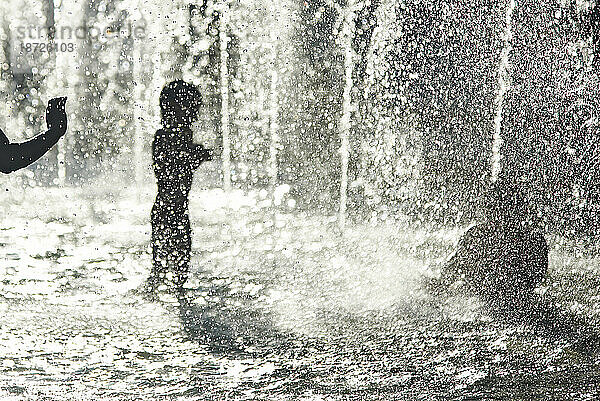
(230, 315)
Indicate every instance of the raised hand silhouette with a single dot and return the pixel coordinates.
(15, 156)
(56, 116)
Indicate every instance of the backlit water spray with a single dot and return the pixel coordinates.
(503, 85)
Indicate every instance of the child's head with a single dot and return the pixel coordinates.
(179, 103)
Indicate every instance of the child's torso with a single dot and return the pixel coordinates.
(504, 257)
(171, 156)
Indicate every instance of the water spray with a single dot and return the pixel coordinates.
(503, 86)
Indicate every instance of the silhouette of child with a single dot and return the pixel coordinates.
(15, 156)
(175, 157)
(502, 259)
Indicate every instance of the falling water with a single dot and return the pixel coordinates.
(140, 104)
(503, 84)
(345, 123)
(224, 56)
(56, 84)
(273, 115)
(138, 113)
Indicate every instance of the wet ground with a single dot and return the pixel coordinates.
(280, 306)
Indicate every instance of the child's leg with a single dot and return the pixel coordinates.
(160, 239)
(182, 242)
(159, 256)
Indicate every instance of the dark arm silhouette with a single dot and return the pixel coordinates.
(15, 156)
(200, 154)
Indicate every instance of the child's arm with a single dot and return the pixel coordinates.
(199, 154)
(163, 160)
(15, 156)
